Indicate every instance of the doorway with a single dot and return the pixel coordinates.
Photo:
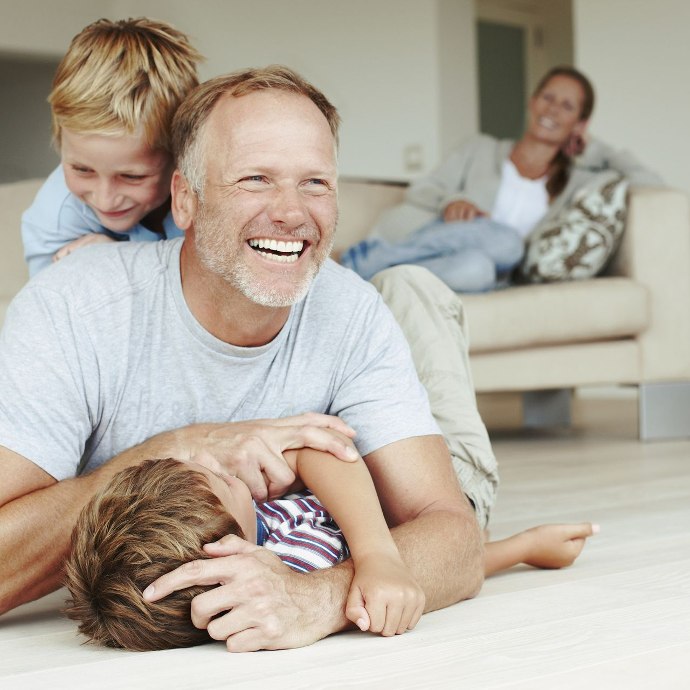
(502, 81)
(517, 42)
(25, 149)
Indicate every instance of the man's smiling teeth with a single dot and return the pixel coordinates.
(278, 250)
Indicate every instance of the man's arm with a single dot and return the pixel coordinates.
(272, 607)
(433, 523)
(37, 514)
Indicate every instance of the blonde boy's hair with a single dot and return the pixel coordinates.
(127, 76)
(147, 521)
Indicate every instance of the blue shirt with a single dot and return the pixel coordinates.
(57, 217)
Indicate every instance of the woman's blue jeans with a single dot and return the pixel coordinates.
(469, 256)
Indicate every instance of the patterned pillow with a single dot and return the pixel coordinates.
(581, 240)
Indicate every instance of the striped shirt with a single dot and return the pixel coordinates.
(300, 531)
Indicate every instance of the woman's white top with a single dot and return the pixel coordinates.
(520, 203)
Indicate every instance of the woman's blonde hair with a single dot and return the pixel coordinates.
(123, 76)
(147, 521)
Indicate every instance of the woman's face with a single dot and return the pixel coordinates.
(554, 112)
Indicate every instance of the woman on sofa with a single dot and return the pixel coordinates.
(467, 222)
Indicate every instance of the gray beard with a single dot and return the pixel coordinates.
(216, 249)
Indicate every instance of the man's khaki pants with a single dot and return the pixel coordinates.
(432, 318)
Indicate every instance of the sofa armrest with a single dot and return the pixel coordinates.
(15, 198)
(655, 252)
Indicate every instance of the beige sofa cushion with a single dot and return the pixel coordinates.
(560, 313)
(360, 204)
(603, 363)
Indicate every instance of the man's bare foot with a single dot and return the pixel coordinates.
(556, 546)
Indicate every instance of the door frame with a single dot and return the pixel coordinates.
(536, 59)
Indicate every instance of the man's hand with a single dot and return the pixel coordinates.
(83, 241)
(253, 450)
(462, 210)
(260, 603)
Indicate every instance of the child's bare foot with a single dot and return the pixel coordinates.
(556, 546)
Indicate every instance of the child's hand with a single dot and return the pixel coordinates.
(83, 241)
(384, 597)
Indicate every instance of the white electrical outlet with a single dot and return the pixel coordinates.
(413, 157)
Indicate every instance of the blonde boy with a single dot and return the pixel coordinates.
(113, 98)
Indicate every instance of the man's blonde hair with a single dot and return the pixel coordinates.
(190, 120)
(125, 76)
(147, 521)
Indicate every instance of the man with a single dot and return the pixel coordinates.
(116, 355)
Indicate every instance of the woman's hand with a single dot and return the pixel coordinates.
(462, 210)
(384, 597)
(575, 145)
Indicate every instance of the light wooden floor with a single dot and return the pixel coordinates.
(619, 618)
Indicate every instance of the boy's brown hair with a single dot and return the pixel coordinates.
(147, 521)
(126, 76)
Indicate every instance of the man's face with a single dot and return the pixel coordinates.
(267, 218)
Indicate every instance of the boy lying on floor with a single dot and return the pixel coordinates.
(154, 517)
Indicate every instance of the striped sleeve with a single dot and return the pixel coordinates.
(302, 533)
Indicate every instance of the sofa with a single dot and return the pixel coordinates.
(629, 327)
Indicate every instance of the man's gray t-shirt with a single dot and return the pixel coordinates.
(100, 352)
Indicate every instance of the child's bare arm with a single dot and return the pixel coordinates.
(384, 597)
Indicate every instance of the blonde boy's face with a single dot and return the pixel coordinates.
(118, 176)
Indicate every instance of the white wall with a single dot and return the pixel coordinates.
(548, 27)
(401, 72)
(557, 21)
(379, 62)
(459, 88)
(45, 27)
(638, 55)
